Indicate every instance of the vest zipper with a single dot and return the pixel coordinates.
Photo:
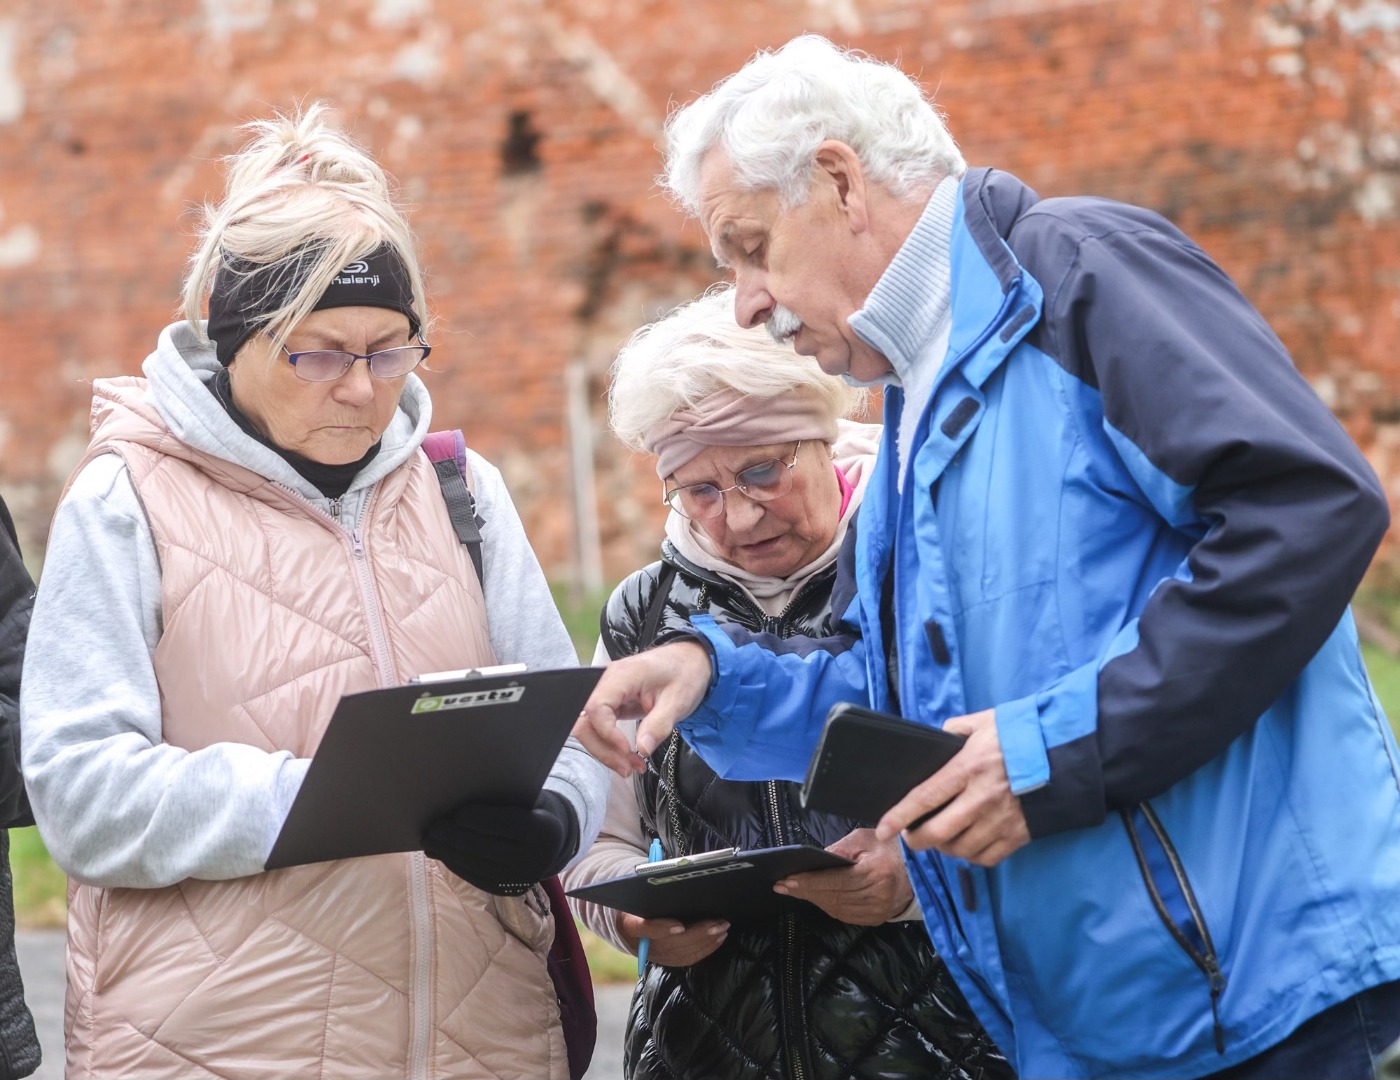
(420, 1020)
(420, 915)
(364, 579)
(1204, 958)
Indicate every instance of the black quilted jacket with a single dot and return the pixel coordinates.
(19, 1045)
(799, 996)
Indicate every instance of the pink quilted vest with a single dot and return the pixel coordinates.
(389, 966)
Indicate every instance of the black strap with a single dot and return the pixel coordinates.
(657, 608)
(461, 509)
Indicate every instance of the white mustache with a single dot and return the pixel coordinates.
(782, 324)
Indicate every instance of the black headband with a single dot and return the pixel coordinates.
(245, 292)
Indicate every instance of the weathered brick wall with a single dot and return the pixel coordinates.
(524, 135)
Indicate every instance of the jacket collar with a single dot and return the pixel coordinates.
(905, 308)
(992, 202)
(995, 302)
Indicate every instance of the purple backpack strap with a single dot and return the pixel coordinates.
(568, 964)
(573, 983)
(447, 450)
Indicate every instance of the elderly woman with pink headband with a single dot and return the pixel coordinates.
(763, 474)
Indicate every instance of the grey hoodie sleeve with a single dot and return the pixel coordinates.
(526, 628)
(116, 805)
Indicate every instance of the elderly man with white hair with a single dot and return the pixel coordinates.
(1111, 538)
(764, 472)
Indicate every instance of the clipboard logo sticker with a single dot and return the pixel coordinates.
(506, 695)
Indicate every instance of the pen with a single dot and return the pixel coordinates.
(654, 855)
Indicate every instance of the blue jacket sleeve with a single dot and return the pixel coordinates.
(765, 711)
(770, 694)
(1202, 404)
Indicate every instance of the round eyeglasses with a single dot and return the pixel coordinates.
(764, 482)
(327, 365)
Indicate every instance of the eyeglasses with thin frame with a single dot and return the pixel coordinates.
(327, 365)
(764, 482)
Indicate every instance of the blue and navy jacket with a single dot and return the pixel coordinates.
(1130, 527)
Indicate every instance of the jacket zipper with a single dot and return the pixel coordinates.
(673, 749)
(792, 977)
(792, 984)
(364, 579)
(421, 963)
(420, 917)
(1206, 959)
(419, 1014)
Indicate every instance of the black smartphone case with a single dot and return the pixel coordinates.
(867, 761)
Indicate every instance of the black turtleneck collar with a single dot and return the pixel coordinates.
(332, 481)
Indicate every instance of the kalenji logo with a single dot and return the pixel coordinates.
(506, 695)
(703, 871)
(357, 273)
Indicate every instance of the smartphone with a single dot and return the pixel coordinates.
(866, 761)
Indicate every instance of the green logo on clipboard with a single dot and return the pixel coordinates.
(505, 695)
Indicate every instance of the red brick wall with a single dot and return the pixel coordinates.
(1268, 134)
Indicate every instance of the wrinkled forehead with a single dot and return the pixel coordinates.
(342, 327)
(721, 192)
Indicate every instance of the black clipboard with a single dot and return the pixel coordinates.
(724, 884)
(393, 760)
(867, 761)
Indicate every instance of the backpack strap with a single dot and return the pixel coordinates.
(447, 450)
(573, 983)
(567, 963)
(647, 638)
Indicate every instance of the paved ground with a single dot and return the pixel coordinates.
(41, 963)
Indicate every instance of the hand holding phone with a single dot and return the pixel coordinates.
(866, 761)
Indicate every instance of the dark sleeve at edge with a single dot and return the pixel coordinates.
(1190, 373)
(16, 603)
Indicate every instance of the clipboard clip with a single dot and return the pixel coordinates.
(470, 673)
(680, 862)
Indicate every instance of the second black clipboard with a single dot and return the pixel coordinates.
(725, 884)
(393, 760)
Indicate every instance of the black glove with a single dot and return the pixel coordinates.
(505, 849)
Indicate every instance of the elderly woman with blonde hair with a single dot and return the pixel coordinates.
(254, 532)
(763, 473)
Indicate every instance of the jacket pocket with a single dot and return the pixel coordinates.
(527, 917)
(1174, 900)
(92, 917)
